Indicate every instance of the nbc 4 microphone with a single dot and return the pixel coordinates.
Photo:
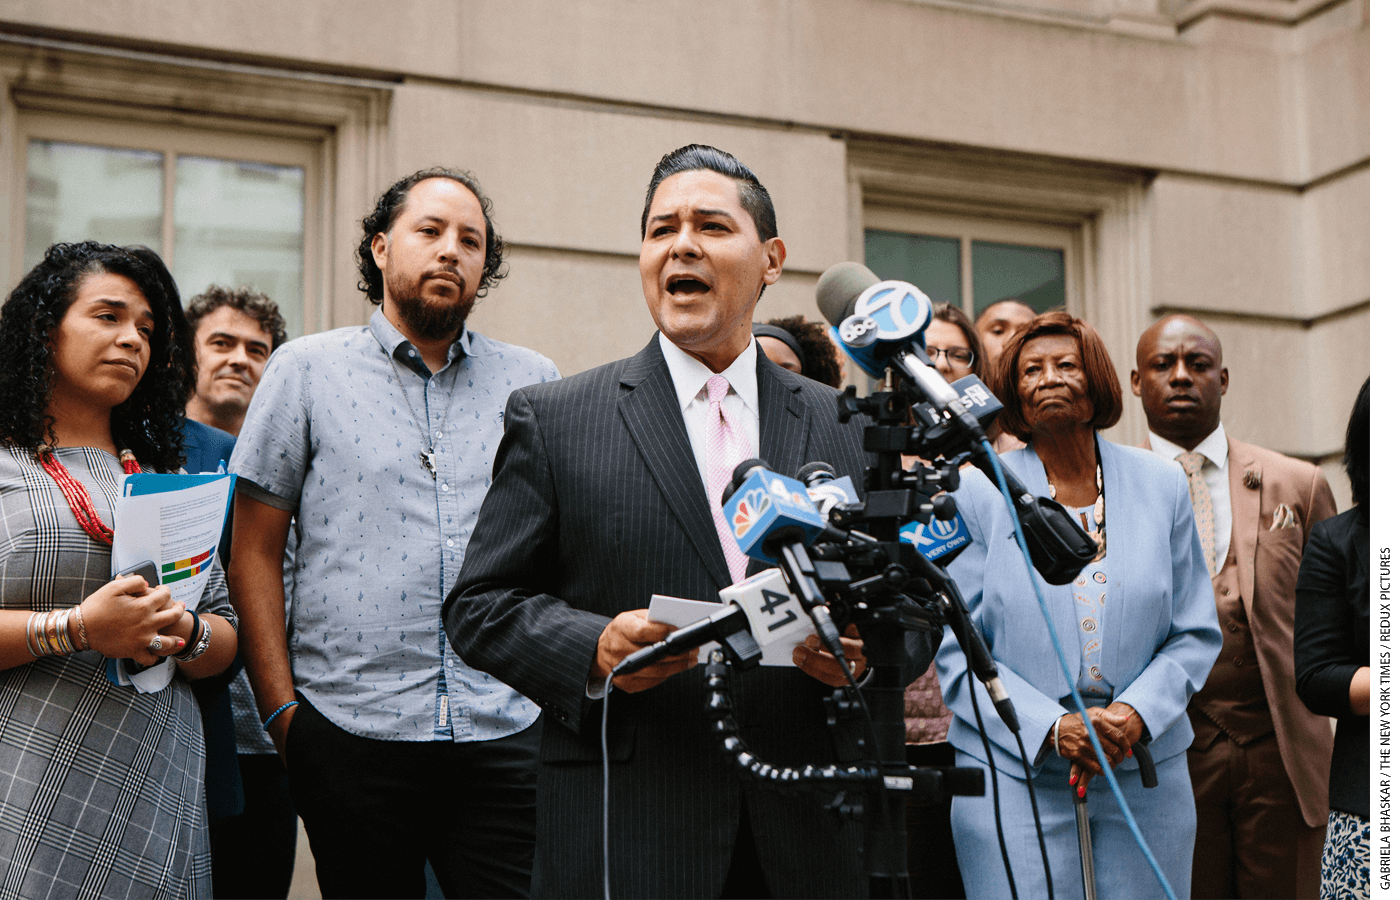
(773, 520)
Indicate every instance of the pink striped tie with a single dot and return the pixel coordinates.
(725, 448)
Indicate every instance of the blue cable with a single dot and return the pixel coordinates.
(1070, 679)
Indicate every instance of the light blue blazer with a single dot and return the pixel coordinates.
(1161, 634)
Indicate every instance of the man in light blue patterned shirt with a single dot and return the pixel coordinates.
(380, 440)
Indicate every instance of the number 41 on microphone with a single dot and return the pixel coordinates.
(776, 619)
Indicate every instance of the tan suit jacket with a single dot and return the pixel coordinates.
(1267, 559)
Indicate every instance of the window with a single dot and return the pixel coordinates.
(234, 175)
(1015, 224)
(220, 207)
(973, 263)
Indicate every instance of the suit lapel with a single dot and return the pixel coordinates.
(647, 404)
(1244, 519)
(782, 423)
(1026, 464)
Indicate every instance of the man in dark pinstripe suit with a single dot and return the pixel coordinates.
(598, 502)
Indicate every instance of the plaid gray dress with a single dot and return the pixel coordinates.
(101, 788)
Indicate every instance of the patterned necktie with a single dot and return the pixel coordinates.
(725, 448)
(1201, 505)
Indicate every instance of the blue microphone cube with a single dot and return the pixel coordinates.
(977, 398)
(938, 538)
(765, 504)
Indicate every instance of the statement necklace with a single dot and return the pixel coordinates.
(1099, 535)
(79, 500)
(428, 454)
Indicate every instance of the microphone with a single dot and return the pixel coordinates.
(825, 489)
(773, 520)
(953, 541)
(881, 324)
(761, 609)
(729, 620)
(767, 510)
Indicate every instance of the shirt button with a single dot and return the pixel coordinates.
(412, 353)
(445, 488)
(449, 543)
(1239, 661)
(1232, 626)
(439, 434)
(1224, 592)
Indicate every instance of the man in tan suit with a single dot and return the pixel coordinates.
(1259, 763)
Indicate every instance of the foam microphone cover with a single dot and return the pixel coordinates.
(839, 288)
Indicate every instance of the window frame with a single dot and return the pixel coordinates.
(967, 229)
(173, 141)
(1104, 206)
(345, 119)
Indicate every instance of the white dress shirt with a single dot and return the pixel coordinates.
(740, 404)
(1216, 471)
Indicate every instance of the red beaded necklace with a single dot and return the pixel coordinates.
(79, 500)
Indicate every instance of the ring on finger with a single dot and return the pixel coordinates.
(155, 645)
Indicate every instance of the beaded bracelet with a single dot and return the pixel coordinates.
(281, 709)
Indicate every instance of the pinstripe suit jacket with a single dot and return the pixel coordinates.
(595, 505)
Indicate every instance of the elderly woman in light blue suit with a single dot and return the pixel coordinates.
(1138, 627)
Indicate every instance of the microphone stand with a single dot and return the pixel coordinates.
(860, 572)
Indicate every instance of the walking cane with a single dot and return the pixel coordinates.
(1148, 770)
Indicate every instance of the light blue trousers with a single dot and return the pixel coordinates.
(1166, 816)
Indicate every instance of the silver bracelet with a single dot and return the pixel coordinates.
(1057, 738)
(197, 650)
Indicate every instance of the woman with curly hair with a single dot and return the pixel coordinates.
(101, 787)
(802, 347)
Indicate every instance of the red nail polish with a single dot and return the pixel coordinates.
(1073, 778)
(1081, 790)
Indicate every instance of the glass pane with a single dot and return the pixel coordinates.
(77, 192)
(240, 223)
(1033, 275)
(928, 263)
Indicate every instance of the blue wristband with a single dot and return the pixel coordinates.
(281, 709)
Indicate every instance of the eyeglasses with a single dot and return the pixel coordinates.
(957, 356)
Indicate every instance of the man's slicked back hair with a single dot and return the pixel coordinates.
(753, 196)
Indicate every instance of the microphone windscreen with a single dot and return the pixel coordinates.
(839, 288)
(805, 473)
(744, 469)
(741, 474)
